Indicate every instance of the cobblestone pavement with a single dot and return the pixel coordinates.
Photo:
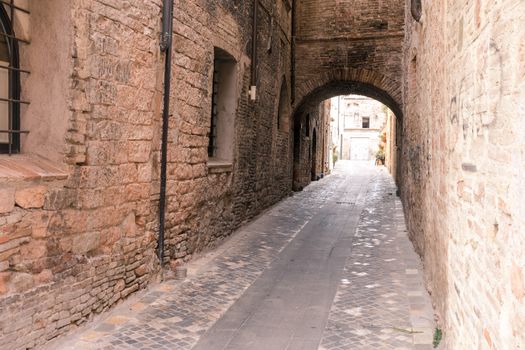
(381, 302)
(272, 285)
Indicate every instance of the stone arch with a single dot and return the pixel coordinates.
(348, 81)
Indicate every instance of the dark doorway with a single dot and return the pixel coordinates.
(296, 156)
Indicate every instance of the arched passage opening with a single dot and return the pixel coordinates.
(312, 110)
(340, 87)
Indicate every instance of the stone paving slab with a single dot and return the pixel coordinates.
(288, 305)
(380, 303)
(176, 314)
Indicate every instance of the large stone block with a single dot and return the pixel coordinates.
(7, 200)
(31, 197)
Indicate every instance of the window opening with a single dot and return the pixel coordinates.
(212, 146)
(284, 110)
(224, 99)
(10, 70)
(366, 123)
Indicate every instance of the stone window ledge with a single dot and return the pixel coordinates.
(216, 166)
(29, 168)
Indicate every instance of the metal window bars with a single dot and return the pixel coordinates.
(8, 10)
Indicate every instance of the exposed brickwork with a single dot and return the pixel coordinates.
(342, 48)
(462, 168)
(79, 234)
(310, 145)
(205, 206)
(79, 241)
(78, 230)
(345, 47)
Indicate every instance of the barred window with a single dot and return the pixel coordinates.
(10, 79)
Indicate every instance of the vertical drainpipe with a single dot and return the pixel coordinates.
(292, 55)
(166, 47)
(253, 87)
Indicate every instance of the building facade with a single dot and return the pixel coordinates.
(360, 121)
(462, 164)
(79, 191)
(82, 104)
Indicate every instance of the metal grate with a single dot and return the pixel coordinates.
(8, 11)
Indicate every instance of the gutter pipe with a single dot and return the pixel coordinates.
(292, 55)
(165, 47)
(253, 87)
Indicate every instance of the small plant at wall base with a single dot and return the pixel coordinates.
(438, 335)
(380, 157)
(334, 155)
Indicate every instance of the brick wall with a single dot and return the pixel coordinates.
(206, 204)
(341, 48)
(78, 233)
(345, 47)
(462, 165)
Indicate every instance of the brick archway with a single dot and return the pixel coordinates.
(348, 81)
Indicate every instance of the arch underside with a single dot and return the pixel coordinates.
(338, 88)
(349, 81)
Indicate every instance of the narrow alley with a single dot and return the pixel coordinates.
(330, 268)
(262, 174)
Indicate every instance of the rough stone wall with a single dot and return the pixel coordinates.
(321, 143)
(348, 41)
(463, 165)
(78, 233)
(207, 202)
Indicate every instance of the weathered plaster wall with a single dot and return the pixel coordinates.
(463, 165)
(391, 147)
(326, 141)
(48, 87)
